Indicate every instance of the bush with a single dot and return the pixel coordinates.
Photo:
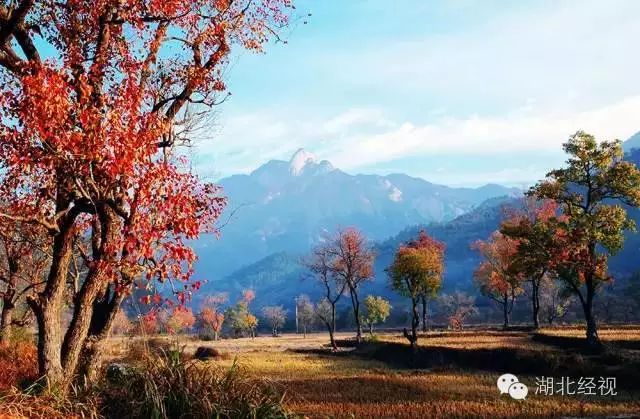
(18, 364)
(165, 386)
(206, 352)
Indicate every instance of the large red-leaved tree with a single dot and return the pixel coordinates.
(94, 98)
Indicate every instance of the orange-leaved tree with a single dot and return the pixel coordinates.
(352, 263)
(494, 276)
(94, 98)
(417, 270)
(211, 315)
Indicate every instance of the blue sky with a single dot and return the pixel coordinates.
(460, 92)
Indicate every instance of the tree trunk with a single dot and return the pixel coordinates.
(47, 305)
(6, 320)
(415, 322)
(371, 329)
(535, 302)
(332, 327)
(92, 304)
(215, 335)
(424, 313)
(49, 337)
(105, 312)
(74, 339)
(356, 312)
(593, 340)
(505, 311)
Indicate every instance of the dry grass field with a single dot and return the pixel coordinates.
(455, 376)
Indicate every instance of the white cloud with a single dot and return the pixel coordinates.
(263, 136)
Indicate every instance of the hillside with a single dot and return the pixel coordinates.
(278, 278)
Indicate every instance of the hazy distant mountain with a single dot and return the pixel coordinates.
(279, 278)
(632, 143)
(286, 206)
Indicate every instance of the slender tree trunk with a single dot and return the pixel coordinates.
(332, 327)
(215, 335)
(593, 340)
(371, 329)
(505, 311)
(415, 322)
(6, 320)
(355, 302)
(424, 313)
(8, 305)
(535, 302)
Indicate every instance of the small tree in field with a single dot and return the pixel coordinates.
(276, 316)
(352, 263)
(95, 98)
(211, 315)
(180, 320)
(321, 263)
(241, 319)
(458, 307)
(555, 300)
(589, 191)
(417, 270)
(494, 276)
(306, 312)
(377, 310)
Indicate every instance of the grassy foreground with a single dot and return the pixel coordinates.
(456, 374)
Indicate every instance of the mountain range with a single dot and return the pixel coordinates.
(285, 206)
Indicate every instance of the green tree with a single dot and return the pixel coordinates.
(589, 191)
(377, 310)
(417, 270)
(240, 317)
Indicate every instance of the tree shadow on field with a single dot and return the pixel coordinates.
(564, 358)
(578, 343)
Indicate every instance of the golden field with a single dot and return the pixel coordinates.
(373, 382)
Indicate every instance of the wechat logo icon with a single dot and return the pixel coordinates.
(509, 384)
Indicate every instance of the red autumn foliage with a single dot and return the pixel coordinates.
(89, 140)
